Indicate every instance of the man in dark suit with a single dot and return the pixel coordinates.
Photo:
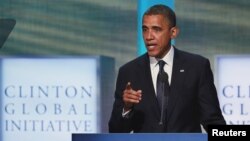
(190, 96)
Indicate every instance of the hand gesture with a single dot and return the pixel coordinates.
(131, 97)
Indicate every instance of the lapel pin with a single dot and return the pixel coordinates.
(182, 70)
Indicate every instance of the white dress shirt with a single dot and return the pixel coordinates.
(168, 58)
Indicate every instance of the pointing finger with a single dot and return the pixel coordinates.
(128, 86)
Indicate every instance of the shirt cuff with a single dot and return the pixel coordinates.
(125, 114)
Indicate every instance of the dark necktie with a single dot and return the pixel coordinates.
(162, 88)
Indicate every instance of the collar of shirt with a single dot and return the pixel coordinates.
(168, 58)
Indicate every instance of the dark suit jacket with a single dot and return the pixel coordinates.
(192, 98)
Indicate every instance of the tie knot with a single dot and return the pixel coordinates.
(161, 65)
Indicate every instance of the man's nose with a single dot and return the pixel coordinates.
(149, 35)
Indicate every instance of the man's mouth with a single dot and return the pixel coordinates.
(151, 46)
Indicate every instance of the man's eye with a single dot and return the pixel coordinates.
(144, 29)
(157, 29)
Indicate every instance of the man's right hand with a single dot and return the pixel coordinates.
(131, 97)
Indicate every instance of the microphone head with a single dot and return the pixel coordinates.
(164, 77)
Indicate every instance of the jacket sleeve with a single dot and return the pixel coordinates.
(208, 98)
(118, 123)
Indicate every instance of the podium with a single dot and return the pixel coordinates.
(141, 137)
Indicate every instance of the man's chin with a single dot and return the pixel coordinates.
(152, 54)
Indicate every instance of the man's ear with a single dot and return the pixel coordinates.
(174, 31)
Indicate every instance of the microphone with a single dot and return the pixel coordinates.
(164, 79)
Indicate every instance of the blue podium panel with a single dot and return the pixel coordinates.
(140, 137)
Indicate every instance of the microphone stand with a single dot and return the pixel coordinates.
(164, 80)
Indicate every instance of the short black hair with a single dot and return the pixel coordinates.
(164, 10)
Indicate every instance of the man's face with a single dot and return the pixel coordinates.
(157, 35)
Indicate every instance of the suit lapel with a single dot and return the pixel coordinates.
(178, 76)
(147, 85)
